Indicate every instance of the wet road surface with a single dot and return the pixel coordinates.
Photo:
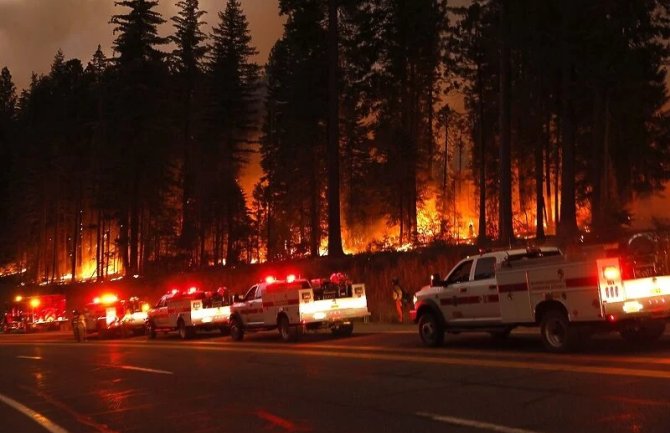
(379, 380)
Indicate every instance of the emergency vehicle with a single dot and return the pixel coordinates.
(35, 313)
(110, 316)
(186, 311)
(569, 299)
(296, 304)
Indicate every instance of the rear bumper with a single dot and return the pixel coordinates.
(655, 307)
(334, 316)
(213, 322)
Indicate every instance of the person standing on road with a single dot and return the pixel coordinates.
(79, 326)
(397, 297)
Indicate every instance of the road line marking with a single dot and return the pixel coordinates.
(79, 417)
(29, 357)
(473, 424)
(40, 419)
(143, 369)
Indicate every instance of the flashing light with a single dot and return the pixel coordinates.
(108, 298)
(174, 291)
(35, 302)
(96, 300)
(192, 290)
(145, 307)
(18, 298)
(270, 279)
(611, 273)
(290, 278)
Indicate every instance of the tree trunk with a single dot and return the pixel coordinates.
(506, 232)
(481, 236)
(333, 153)
(567, 227)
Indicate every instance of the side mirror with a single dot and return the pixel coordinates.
(436, 280)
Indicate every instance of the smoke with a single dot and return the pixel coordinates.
(32, 31)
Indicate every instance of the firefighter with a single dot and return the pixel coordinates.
(397, 293)
(79, 326)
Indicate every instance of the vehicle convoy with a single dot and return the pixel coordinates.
(189, 310)
(110, 316)
(35, 313)
(568, 298)
(297, 304)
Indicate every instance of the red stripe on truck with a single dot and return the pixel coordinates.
(516, 287)
(582, 281)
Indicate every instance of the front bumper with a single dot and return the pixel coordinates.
(334, 316)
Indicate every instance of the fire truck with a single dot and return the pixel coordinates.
(296, 304)
(35, 313)
(569, 299)
(186, 311)
(110, 316)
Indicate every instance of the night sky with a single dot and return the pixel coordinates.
(31, 31)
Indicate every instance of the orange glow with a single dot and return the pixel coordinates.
(18, 298)
(35, 302)
(107, 298)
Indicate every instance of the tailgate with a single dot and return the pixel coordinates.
(206, 316)
(333, 310)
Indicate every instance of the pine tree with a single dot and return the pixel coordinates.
(187, 58)
(140, 120)
(233, 79)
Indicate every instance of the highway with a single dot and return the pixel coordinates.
(379, 380)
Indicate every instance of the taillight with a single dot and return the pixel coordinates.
(611, 273)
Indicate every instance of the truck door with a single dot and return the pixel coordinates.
(453, 300)
(253, 306)
(483, 291)
(160, 313)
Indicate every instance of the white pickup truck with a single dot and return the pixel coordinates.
(295, 304)
(568, 299)
(187, 311)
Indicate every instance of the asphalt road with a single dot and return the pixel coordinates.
(379, 380)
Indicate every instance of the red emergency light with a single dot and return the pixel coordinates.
(269, 279)
(35, 302)
(192, 290)
(290, 278)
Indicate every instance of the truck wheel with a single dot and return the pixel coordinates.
(185, 332)
(287, 332)
(431, 330)
(151, 331)
(236, 330)
(646, 332)
(557, 334)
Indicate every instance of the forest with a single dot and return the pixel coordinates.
(379, 125)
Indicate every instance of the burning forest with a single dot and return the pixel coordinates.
(374, 126)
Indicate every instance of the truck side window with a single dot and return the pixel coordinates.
(461, 274)
(485, 268)
(251, 293)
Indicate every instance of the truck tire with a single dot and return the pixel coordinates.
(287, 332)
(185, 332)
(431, 330)
(558, 336)
(647, 332)
(236, 330)
(151, 330)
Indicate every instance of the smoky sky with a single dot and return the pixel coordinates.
(32, 31)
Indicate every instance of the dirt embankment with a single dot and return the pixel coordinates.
(374, 270)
